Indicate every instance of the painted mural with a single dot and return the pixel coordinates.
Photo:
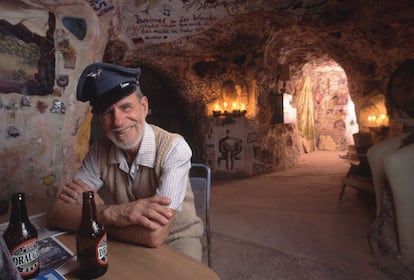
(26, 58)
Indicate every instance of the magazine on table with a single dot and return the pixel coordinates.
(55, 258)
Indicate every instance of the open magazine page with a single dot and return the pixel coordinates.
(55, 258)
(53, 254)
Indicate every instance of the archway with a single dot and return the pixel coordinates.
(334, 112)
(167, 107)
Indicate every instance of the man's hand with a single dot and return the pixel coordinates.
(150, 213)
(72, 193)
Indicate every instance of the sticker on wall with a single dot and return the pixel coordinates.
(61, 39)
(68, 51)
(58, 107)
(25, 101)
(12, 131)
(49, 180)
(41, 106)
(12, 105)
(62, 81)
(101, 7)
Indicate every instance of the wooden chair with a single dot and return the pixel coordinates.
(359, 173)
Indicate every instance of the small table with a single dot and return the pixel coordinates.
(129, 261)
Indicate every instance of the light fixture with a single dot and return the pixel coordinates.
(376, 121)
(237, 110)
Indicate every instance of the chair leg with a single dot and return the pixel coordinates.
(208, 250)
(208, 233)
(341, 194)
(351, 170)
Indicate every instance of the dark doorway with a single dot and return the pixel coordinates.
(168, 108)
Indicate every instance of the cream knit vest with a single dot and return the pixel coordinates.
(186, 223)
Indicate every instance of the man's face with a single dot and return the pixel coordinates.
(124, 121)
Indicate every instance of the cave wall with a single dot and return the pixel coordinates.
(198, 48)
(44, 131)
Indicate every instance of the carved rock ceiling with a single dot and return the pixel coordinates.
(367, 38)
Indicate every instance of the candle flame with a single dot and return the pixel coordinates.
(220, 108)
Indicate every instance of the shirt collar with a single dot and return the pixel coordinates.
(146, 152)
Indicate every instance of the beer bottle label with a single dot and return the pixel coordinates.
(102, 251)
(26, 257)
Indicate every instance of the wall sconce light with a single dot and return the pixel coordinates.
(376, 121)
(237, 110)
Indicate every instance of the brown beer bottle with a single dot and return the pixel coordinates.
(21, 239)
(91, 242)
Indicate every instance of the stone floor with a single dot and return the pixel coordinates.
(291, 225)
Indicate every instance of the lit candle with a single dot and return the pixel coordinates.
(372, 120)
(216, 110)
(382, 119)
(243, 109)
(235, 110)
(225, 106)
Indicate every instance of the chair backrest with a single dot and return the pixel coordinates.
(363, 141)
(200, 179)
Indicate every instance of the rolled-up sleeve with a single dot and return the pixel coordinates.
(174, 175)
(89, 171)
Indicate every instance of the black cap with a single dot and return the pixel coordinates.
(103, 84)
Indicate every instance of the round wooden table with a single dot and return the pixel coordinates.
(129, 261)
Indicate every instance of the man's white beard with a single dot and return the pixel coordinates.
(122, 145)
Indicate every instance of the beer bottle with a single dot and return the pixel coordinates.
(21, 239)
(91, 241)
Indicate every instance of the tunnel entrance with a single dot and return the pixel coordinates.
(332, 108)
(168, 109)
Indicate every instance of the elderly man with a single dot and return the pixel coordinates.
(140, 170)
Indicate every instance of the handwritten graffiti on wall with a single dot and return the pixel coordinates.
(101, 7)
(155, 22)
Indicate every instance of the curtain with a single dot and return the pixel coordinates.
(306, 120)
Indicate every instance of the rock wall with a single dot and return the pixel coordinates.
(45, 131)
(204, 51)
